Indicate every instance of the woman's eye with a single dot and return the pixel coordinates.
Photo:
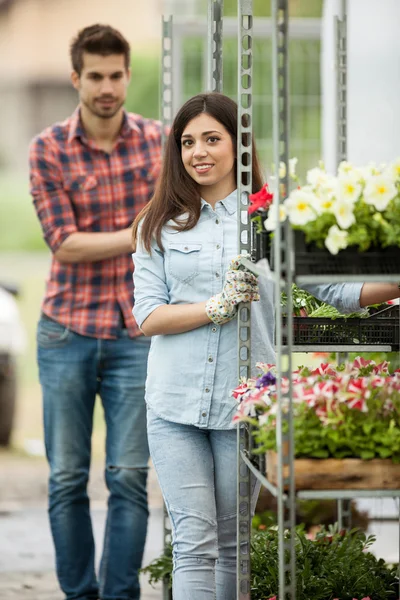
(213, 139)
(186, 143)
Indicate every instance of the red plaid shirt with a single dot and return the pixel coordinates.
(78, 187)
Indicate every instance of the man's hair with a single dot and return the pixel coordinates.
(98, 39)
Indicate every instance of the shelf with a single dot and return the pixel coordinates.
(306, 279)
(341, 348)
(319, 494)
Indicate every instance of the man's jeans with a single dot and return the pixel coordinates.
(73, 369)
(196, 469)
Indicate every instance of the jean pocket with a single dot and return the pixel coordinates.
(184, 260)
(51, 334)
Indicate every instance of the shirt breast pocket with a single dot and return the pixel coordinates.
(82, 189)
(184, 260)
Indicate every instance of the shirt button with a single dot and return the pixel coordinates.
(217, 275)
(203, 414)
(210, 359)
(207, 390)
(186, 248)
(218, 246)
(213, 329)
(217, 221)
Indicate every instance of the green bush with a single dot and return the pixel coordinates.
(336, 564)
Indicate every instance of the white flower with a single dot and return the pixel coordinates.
(379, 191)
(371, 169)
(300, 207)
(317, 177)
(270, 221)
(282, 170)
(348, 188)
(394, 169)
(325, 195)
(292, 167)
(346, 168)
(336, 239)
(344, 213)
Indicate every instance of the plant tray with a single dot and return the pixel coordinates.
(381, 328)
(339, 474)
(311, 260)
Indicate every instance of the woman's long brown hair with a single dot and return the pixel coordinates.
(176, 193)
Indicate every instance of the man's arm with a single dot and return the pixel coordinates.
(375, 293)
(90, 247)
(56, 215)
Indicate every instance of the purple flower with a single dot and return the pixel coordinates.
(266, 380)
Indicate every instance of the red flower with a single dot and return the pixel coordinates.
(260, 200)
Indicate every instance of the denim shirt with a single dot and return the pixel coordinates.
(190, 375)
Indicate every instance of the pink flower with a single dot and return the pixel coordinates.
(324, 369)
(360, 362)
(260, 200)
(240, 390)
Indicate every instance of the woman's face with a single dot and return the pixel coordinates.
(208, 156)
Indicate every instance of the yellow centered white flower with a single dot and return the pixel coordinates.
(344, 213)
(270, 221)
(348, 188)
(300, 207)
(371, 169)
(394, 169)
(347, 168)
(379, 191)
(336, 239)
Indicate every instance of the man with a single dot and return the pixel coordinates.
(90, 176)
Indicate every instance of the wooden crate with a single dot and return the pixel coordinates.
(339, 474)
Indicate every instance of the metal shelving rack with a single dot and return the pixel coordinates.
(284, 253)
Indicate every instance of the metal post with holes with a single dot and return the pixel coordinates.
(341, 87)
(340, 23)
(244, 187)
(166, 120)
(284, 277)
(214, 45)
(166, 75)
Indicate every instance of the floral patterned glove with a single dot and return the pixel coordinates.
(239, 286)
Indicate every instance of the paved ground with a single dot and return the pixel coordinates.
(26, 552)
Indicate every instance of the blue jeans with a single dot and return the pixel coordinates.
(73, 369)
(197, 472)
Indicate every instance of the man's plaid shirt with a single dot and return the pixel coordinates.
(78, 187)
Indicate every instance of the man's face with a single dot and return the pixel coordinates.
(102, 84)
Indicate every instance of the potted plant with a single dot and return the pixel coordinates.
(335, 565)
(346, 423)
(348, 223)
(332, 566)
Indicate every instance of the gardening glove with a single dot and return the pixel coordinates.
(240, 286)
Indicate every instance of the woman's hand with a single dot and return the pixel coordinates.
(239, 286)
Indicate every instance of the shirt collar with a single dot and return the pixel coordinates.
(229, 203)
(76, 129)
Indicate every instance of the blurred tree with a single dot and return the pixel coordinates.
(144, 90)
(297, 8)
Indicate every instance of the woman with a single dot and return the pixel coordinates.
(187, 288)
